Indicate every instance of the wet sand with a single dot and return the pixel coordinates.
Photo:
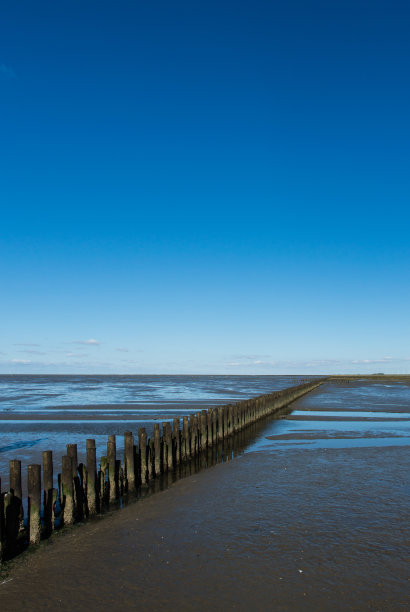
(279, 528)
(283, 531)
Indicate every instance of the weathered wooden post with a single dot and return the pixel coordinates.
(214, 418)
(168, 441)
(236, 418)
(16, 489)
(185, 438)
(11, 522)
(192, 437)
(48, 491)
(72, 453)
(230, 419)
(129, 462)
(34, 502)
(150, 459)
(220, 433)
(157, 449)
(225, 421)
(176, 438)
(120, 477)
(198, 432)
(164, 447)
(15, 478)
(91, 477)
(67, 487)
(112, 467)
(209, 427)
(103, 479)
(142, 435)
(204, 435)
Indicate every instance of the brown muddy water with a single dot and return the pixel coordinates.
(313, 515)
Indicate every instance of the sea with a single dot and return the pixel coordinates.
(40, 412)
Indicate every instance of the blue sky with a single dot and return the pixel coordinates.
(205, 187)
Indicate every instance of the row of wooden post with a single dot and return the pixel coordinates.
(83, 489)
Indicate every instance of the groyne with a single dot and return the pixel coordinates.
(85, 490)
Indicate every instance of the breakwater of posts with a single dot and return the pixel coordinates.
(86, 490)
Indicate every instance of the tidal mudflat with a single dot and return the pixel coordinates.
(312, 516)
(39, 413)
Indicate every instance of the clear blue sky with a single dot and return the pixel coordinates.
(205, 187)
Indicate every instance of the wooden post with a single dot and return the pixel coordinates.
(225, 420)
(209, 427)
(67, 487)
(204, 429)
(220, 423)
(214, 426)
(235, 418)
(72, 452)
(185, 439)
(112, 467)
(47, 470)
(195, 436)
(34, 503)
(230, 419)
(129, 462)
(91, 477)
(192, 439)
(165, 449)
(142, 435)
(157, 449)
(176, 435)
(48, 491)
(15, 478)
(119, 477)
(198, 432)
(150, 458)
(168, 441)
(16, 489)
(103, 479)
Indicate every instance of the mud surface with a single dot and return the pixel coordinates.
(282, 527)
(283, 531)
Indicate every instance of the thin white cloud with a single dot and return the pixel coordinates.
(25, 344)
(30, 352)
(383, 360)
(21, 361)
(90, 342)
(249, 357)
(7, 73)
(122, 350)
(253, 362)
(243, 362)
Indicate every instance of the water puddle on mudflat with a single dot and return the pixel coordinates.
(351, 414)
(342, 417)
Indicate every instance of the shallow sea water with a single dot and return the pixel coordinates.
(358, 414)
(40, 413)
